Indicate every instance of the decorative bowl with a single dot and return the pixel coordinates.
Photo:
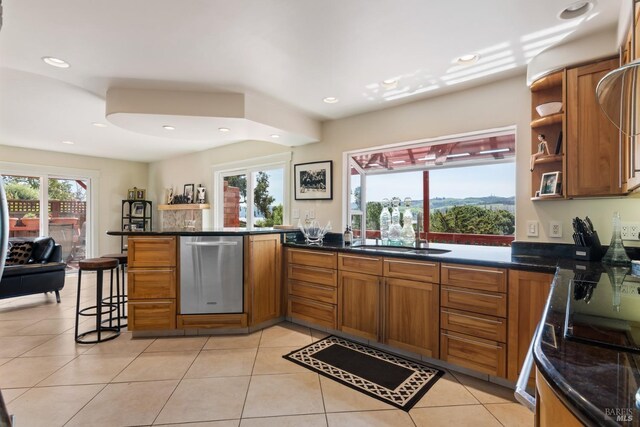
(549, 108)
(313, 232)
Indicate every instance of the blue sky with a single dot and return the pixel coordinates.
(487, 180)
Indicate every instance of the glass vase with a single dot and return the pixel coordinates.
(616, 255)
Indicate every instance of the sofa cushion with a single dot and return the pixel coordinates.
(27, 269)
(20, 253)
(42, 249)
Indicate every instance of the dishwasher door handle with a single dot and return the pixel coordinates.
(521, 394)
(212, 243)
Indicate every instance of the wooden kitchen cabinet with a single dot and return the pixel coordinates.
(411, 316)
(473, 317)
(528, 293)
(152, 283)
(264, 277)
(312, 292)
(359, 304)
(594, 145)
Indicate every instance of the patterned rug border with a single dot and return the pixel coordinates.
(408, 363)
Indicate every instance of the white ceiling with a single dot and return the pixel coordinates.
(295, 52)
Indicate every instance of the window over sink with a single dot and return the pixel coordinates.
(464, 185)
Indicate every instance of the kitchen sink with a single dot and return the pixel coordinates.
(419, 251)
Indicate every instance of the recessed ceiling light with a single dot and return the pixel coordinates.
(99, 125)
(55, 62)
(68, 142)
(390, 83)
(397, 162)
(224, 129)
(331, 100)
(468, 59)
(576, 9)
(167, 127)
(275, 136)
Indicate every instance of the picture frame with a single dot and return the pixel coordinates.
(141, 194)
(137, 209)
(313, 180)
(551, 184)
(131, 193)
(189, 190)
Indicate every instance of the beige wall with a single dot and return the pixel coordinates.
(115, 177)
(503, 103)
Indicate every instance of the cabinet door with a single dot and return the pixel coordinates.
(594, 146)
(265, 265)
(411, 316)
(528, 292)
(151, 283)
(152, 315)
(359, 304)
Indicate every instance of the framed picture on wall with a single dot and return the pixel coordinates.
(313, 181)
(131, 194)
(141, 194)
(137, 209)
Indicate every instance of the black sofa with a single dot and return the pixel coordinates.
(44, 272)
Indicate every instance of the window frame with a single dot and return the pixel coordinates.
(247, 167)
(349, 163)
(44, 173)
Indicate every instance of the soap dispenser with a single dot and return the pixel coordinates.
(348, 236)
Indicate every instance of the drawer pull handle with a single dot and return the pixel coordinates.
(481, 344)
(360, 257)
(315, 252)
(497, 322)
(481, 270)
(426, 264)
(474, 293)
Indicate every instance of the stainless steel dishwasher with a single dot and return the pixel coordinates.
(211, 274)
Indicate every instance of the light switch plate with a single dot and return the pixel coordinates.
(532, 229)
(295, 213)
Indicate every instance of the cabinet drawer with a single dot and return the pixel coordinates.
(478, 325)
(321, 276)
(412, 270)
(493, 304)
(360, 264)
(311, 311)
(474, 277)
(150, 315)
(312, 258)
(151, 283)
(313, 291)
(474, 353)
(151, 252)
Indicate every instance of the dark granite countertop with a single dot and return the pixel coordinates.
(490, 256)
(596, 382)
(226, 231)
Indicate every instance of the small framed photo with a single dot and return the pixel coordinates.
(141, 194)
(188, 192)
(131, 194)
(550, 184)
(137, 209)
(313, 181)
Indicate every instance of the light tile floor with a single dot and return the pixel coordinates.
(221, 381)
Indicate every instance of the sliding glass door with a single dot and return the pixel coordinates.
(49, 205)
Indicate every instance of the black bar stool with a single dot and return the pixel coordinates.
(122, 299)
(99, 265)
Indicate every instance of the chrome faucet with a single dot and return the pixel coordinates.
(419, 222)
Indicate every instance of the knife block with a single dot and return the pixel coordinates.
(589, 253)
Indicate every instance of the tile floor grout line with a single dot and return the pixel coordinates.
(83, 406)
(179, 381)
(246, 395)
(496, 418)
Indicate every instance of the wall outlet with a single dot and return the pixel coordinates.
(312, 213)
(630, 230)
(532, 228)
(555, 229)
(295, 213)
